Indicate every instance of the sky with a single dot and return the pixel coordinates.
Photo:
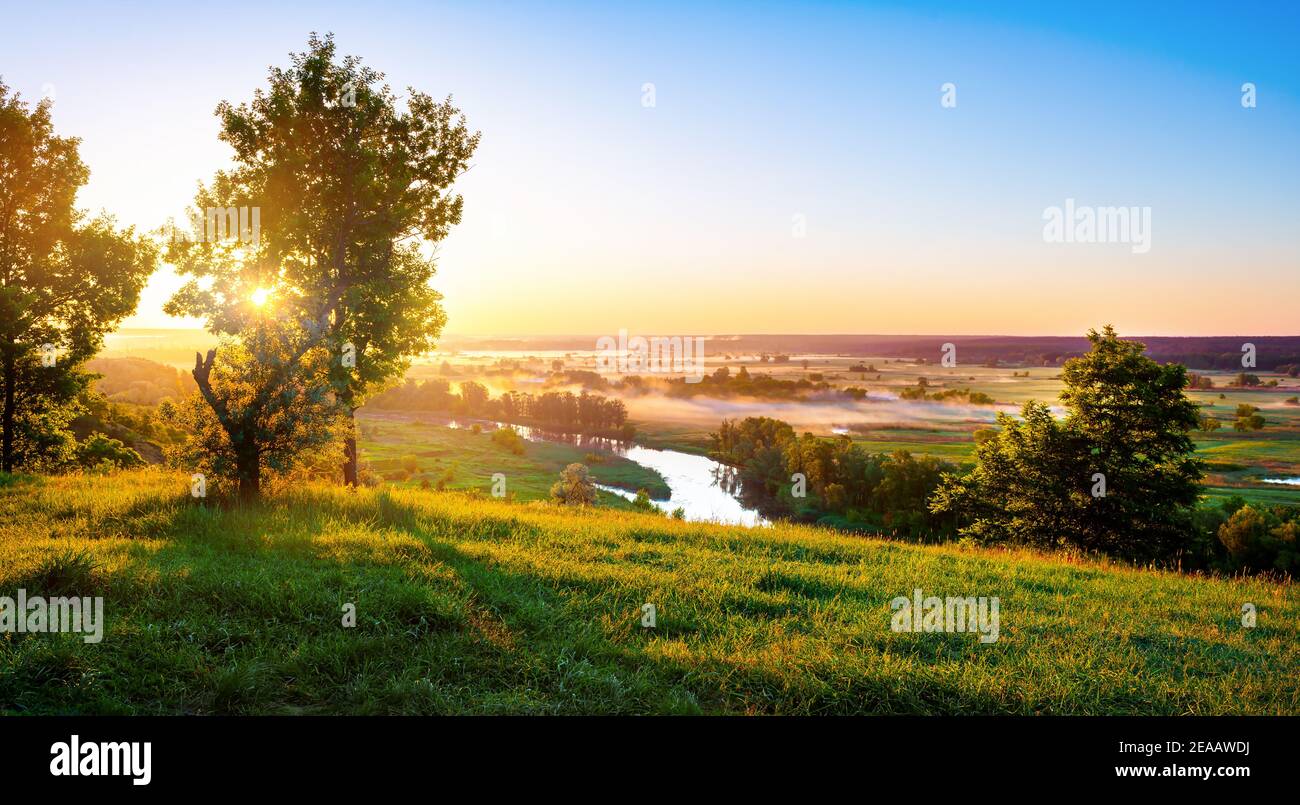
(802, 167)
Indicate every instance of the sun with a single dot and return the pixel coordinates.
(260, 297)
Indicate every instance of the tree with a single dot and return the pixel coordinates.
(1026, 487)
(757, 447)
(1262, 540)
(262, 406)
(65, 281)
(575, 487)
(1116, 475)
(354, 193)
(473, 397)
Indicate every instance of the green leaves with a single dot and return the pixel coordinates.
(64, 283)
(352, 189)
(1128, 424)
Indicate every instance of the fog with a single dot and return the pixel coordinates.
(814, 415)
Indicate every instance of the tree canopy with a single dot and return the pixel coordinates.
(352, 192)
(65, 281)
(1116, 474)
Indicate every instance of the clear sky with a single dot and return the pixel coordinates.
(587, 212)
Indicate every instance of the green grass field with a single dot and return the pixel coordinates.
(469, 605)
(473, 459)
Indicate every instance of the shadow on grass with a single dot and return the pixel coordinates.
(240, 610)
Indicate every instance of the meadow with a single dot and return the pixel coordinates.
(469, 459)
(465, 604)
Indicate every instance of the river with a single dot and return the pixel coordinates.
(692, 480)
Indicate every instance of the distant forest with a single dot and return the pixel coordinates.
(1274, 353)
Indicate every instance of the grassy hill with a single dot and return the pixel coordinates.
(479, 606)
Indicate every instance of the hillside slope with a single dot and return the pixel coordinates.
(472, 605)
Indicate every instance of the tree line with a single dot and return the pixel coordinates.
(832, 482)
(592, 414)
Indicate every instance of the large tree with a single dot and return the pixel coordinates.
(1117, 474)
(353, 193)
(65, 281)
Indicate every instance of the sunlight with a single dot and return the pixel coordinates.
(260, 297)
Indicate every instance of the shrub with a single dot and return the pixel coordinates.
(448, 475)
(575, 487)
(510, 439)
(642, 501)
(99, 451)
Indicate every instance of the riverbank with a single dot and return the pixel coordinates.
(674, 479)
(463, 460)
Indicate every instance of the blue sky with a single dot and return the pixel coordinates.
(588, 212)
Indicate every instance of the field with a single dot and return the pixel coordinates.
(473, 459)
(470, 605)
(1236, 462)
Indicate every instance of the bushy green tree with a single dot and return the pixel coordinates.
(65, 281)
(353, 192)
(100, 451)
(1117, 474)
(1259, 539)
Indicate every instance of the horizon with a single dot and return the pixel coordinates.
(775, 333)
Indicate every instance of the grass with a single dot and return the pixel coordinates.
(470, 605)
(473, 459)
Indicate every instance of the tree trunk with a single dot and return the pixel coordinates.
(7, 419)
(350, 467)
(249, 470)
(350, 464)
(248, 461)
